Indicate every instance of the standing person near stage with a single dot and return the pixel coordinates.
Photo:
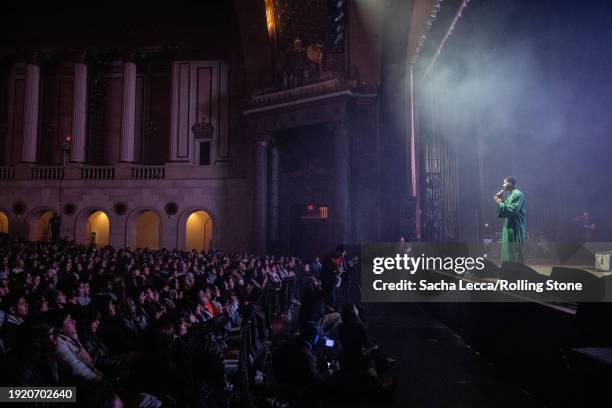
(513, 210)
(331, 274)
(584, 226)
(55, 225)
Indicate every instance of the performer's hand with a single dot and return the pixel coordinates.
(498, 200)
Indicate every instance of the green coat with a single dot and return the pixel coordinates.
(513, 235)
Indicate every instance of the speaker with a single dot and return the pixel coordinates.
(574, 251)
(514, 271)
(593, 287)
(490, 270)
(565, 274)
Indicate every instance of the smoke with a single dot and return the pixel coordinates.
(528, 83)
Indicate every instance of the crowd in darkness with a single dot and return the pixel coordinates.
(163, 328)
(128, 327)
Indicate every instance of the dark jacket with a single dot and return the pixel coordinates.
(295, 364)
(30, 369)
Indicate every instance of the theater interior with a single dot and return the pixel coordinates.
(191, 194)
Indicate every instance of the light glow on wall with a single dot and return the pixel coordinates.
(99, 223)
(3, 223)
(270, 18)
(147, 230)
(41, 228)
(198, 231)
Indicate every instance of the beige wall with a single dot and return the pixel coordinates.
(147, 230)
(39, 222)
(227, 201)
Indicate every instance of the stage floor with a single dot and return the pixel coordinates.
(435, 367)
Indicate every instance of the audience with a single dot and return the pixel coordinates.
(313, 307)
(133, 326)
(160, 328)
(297, 367)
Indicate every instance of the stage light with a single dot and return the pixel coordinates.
(270, 18)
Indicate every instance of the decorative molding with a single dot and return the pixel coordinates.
(300, 92)
(171, 208)
(69, 209)
(120, 208)
(19, 208)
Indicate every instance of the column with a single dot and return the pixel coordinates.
(274, 194)
(342, 185)
(30, 115)
(79, 113)
(260, 201)
(128, 115)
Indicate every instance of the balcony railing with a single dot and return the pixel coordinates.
(46, 173)
(98, 173)
(147, 173)
(120, 172)
(7, 173)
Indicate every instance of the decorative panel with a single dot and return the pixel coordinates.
(64, 112)
(139, 119)
(15, 127)
(112, 120)
(182, 125)
(200, 109)
(224, 104)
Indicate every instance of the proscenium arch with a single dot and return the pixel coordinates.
(37, 221)
(132, 225)
(182, 226)
(81, 225)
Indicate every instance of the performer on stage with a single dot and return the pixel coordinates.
(513, 210)
(584, 226)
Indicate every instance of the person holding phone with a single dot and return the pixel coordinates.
(359, 353)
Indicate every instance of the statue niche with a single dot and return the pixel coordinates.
(300, 65)
(203, 129)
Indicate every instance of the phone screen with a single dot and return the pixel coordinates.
(329, 343)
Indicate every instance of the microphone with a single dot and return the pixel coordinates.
(501, 192)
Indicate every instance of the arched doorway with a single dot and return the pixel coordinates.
(147, 230)
(98, 229)
(39, 226)
(4, 223)
(198, 231)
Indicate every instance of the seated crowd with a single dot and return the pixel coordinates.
(163, 328)
(133, 327)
